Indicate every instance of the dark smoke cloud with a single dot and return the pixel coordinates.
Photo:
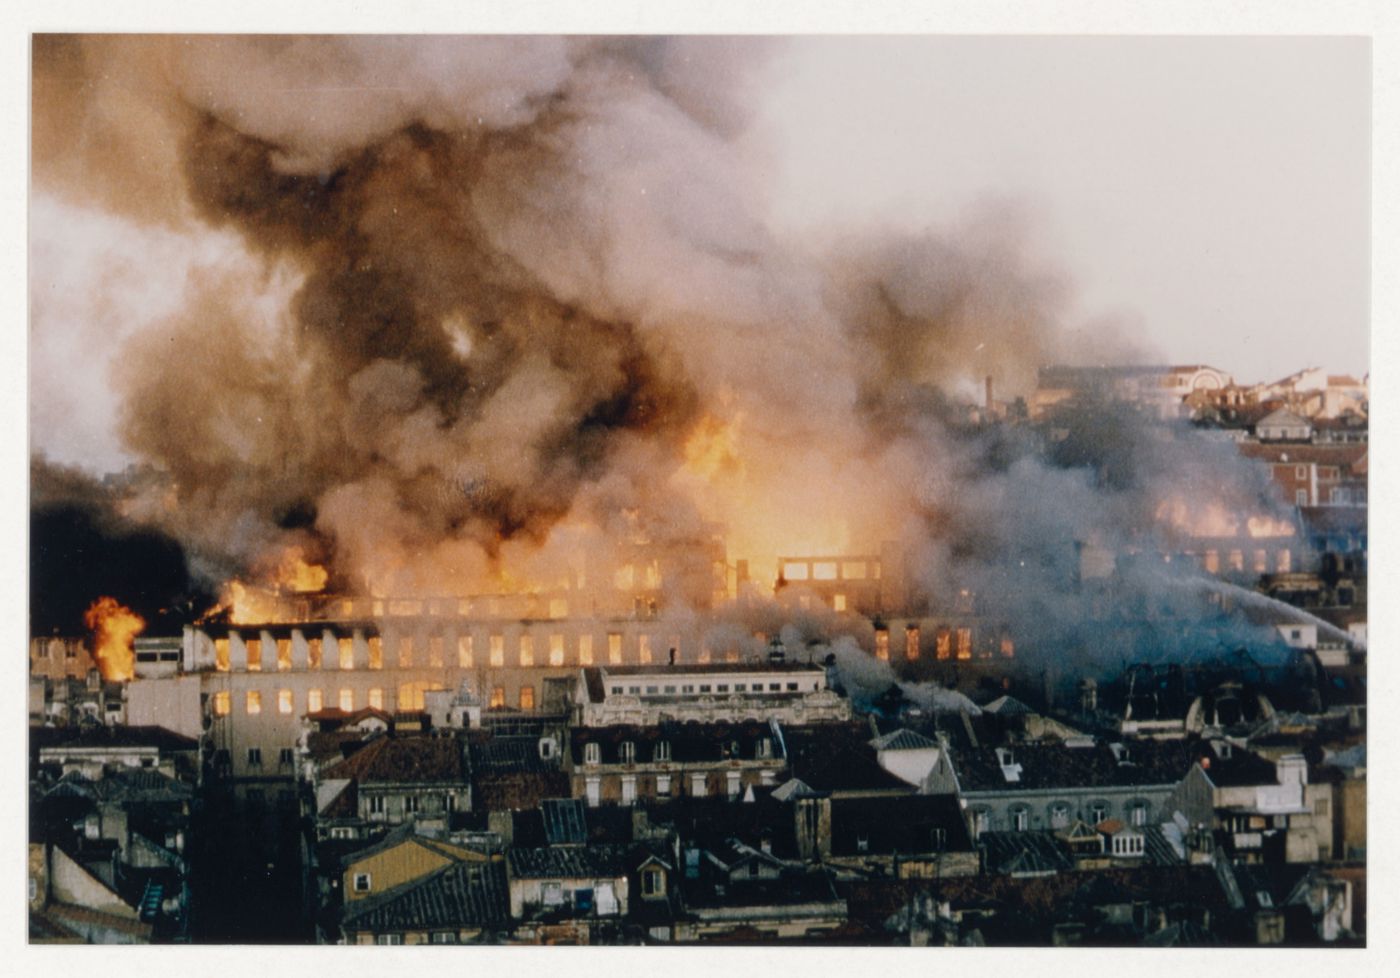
(81, 548)
(498, 286)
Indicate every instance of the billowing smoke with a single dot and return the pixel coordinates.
(498, 302)
(80, 548)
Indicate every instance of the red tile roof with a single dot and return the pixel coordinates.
(404, 760)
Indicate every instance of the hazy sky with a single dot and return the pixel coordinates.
(1215, 189)
(1210, 195)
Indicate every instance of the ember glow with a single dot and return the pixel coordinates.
(294, 573)
(1213, 519)
(114, 629)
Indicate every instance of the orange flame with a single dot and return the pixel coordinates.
(114, 629)
(1213, 519)
(713, 447)
(1267, 526)
(295, 574)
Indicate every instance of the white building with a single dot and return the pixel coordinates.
(791, 693)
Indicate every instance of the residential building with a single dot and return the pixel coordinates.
(789, 692)
(625, 763)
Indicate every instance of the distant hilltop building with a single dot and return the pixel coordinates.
(1334, 406)
(1161, 389)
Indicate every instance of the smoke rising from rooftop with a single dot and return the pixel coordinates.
(497, 301)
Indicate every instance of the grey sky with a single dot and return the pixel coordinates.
(1215, 189)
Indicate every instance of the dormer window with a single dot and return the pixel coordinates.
(628, 752)
(765, 747)
(592, 754)
(662, 751)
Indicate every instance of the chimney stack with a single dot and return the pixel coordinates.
(991, 400)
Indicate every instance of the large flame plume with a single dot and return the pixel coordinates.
(114, 629)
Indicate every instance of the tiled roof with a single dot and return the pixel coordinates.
(1025, 853)
(75, 917)
(89, 737)
(1158, 850)
(332, 717)
(510, 754)
(711, 822)
(336, 798)
(564, 821)
(333, 744)
(407, 833)
(898, 825)
(688, 742)
(838, 758)
(1343, 455)
(606, 860)
(404, 760)
(464, 895)
(790, 889)
(903, 739)
(517, 790)
(1052, 765)
(132, 785)
(606, 824)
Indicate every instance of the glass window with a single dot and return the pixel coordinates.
(284, 701)
(347, 700)
(313, 700)
(253, 702)
(221, 704)
(527, 697)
